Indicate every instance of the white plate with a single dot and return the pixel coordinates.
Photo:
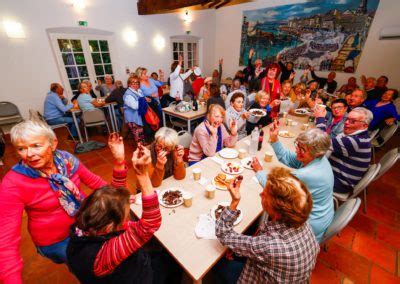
(301, 111)
(225, 168)
(226, 203)
(229, 153)
(219, 186)
(245, 162)
(170, 189)
(258, 109)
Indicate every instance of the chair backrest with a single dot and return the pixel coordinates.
(385, 134)
(343, 216)
(388, 161)
(36, 115)
(8, 109)
(93, 116)
(368, 177)
(185, 138)
(373, 133)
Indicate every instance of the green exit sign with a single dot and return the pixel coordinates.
(83, 23)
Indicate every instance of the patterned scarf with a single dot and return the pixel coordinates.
(219, 135)
(68, 194)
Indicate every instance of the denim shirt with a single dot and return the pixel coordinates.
(54, 107)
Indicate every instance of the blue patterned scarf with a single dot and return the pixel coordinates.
(68, 194)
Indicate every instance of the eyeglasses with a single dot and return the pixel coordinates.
(136, 82)
(352, 121)
(337, 107)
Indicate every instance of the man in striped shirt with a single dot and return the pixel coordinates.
(351, 151)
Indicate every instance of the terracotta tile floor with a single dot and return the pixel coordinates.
(367, 251)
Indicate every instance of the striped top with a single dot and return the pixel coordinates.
(350, 159)
(137, 233)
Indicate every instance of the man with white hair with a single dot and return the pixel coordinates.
(351, 151)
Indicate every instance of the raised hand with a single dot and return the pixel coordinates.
(234, 190)
(275, 103)
(141, 160)
(292, 75)
(319, 112)
(211, 128)
(233, 127)
(116, 145)
(178, 153)
(221, 61)
(251, 53)
(255, 164)
(161, 159)
(273, 132)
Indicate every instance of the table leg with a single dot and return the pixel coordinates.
(115, 118)
(163, 117)
(110, 111)
(189, 129)
(77, 127)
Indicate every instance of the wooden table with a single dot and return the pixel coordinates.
(176, 234)
(188, 116)
(113, 119)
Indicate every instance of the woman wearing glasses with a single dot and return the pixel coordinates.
(311, 167)
(135, 105)
(166, 157)
(332, 122)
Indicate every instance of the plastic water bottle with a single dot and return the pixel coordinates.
(254, 141)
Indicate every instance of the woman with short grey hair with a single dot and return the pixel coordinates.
(166, 157)
(46, 184)
(311, 167)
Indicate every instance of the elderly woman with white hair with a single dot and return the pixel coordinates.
(166, 157)
(311, 167)
(46, 183)
(108, 86)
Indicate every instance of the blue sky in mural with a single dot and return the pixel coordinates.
(286, 12)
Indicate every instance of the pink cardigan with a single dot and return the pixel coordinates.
(205, 144)
(47, 221)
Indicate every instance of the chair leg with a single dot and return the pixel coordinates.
(373, 154)
(86, 134)
(365, 200)
(70, 134)
(108, 128)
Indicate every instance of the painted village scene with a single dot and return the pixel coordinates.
(328, 35)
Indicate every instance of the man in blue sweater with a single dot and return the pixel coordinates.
(56, 107)
(351, 151)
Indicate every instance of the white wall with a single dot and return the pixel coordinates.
(379, 57)
(28, 65)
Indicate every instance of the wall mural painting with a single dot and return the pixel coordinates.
(328, 35)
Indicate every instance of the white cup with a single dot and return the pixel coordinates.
(268, 157)
(187, 199)
(210, 191)
(196, 174)
(242, 153)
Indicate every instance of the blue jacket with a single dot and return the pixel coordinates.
(318, 177)
(131, 106)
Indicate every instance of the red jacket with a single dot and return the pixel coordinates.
(48, 223)
(197, 84)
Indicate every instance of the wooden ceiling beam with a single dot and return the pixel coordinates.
(147, 7)
(222, 4)
(214, 3)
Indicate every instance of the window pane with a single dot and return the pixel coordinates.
(96, 58)
(64, 45)
(71, 72)
(68, 59)
(79, 58)
(74, 84)
(189, 47)
(181, 46)
(106, 57)
(103, 45)
(189, 55)
(76, 45)
(175, 56)
(94, 46)
(99, 69)
(83, 72)
(175, 46)
(108, 69)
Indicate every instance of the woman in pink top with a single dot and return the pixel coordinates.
(211, 135)
(46, 184)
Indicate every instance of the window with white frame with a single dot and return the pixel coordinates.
(82, 57)
(188, 47)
